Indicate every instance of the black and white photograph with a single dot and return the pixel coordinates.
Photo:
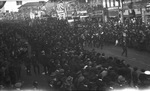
(74, 45)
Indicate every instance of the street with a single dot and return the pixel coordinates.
(135, 58)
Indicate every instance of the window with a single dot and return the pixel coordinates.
(104, 4)
(116, 3)
(19, 2)
(112, 3)
(108, 4)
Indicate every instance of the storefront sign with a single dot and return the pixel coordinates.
(113, 13)
(99, 12)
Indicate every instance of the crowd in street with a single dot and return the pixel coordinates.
(136, 33)
(59, 48)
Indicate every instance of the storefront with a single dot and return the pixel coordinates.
(113, 13)
(147, 14)
(134, 10)
(97, 15)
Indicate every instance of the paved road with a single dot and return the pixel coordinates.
(135, 58)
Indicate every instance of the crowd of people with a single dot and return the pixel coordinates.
(59, 48)
(135, 32)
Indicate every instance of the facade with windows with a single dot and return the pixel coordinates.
(15, 4)
(111, 9)
(128, 8)
(147, 13)
(32, 9)
(97, 10)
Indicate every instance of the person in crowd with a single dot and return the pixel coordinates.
(59, 49)
(28, 66)
(35, 63)
(124, 47)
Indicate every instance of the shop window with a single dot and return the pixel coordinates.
(116, 3)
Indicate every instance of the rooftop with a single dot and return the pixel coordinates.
(32, 4)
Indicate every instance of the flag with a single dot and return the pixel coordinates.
(2, 3)
(19, 2)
